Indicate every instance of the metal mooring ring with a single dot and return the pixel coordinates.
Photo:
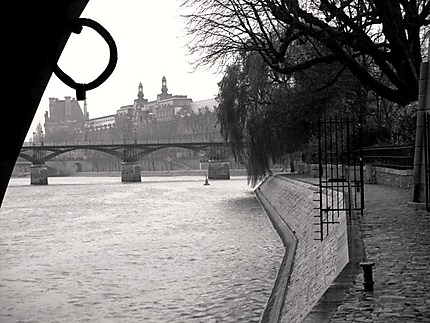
(75, 25)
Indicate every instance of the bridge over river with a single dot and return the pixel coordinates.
(129, 151)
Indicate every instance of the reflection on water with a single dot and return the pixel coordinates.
(164, 250)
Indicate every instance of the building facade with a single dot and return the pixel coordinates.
(65, 117)
(168, 117)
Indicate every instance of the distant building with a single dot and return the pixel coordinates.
(201, 106)
(167, 117)
(64, 116)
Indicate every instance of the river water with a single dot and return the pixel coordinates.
(168, 249)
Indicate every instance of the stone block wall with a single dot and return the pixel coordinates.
(131, 172)
(316, 263)
(39, 174)
(372, 174)
(393, 177)
(219, 170)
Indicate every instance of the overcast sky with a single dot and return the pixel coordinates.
(150, 38)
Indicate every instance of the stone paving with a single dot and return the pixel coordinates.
(397, 238)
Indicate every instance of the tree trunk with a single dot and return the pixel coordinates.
(423, 105)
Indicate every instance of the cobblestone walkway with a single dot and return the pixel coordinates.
(397, 239)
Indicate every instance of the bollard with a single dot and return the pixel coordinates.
(206, 181)
(367, 275)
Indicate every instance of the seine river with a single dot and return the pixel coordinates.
(168, 249)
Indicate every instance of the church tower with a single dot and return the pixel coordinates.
(140, 102)
(163, 95)
(163, 86)
(140, 93)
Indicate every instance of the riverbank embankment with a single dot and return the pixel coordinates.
(310, 265)
(392, 234)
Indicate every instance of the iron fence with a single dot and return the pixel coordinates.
(341, 189)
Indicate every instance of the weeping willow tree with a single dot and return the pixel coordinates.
(266, 115)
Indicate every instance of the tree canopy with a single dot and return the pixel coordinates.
(266, 115)
(380, 42)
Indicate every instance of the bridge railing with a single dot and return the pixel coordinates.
(121, 142)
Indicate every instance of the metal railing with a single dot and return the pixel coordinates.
(341, 185)
(394, 156)
(122, 142)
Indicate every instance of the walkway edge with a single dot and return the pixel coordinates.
(273, 308)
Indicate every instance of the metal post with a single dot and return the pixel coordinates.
(367, 275)
(348, 160)
(206, 181)
(360, 143)
(320, 174)
(337, 126)
(331, 171)
(327, 206)
(354, 166)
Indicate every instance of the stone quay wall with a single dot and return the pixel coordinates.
(373, 174)
(389, 176)
(314, 264)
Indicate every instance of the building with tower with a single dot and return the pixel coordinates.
(167, 117)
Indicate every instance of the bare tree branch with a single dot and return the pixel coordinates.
(388, 32)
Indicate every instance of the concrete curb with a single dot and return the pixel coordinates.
(273, 309)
